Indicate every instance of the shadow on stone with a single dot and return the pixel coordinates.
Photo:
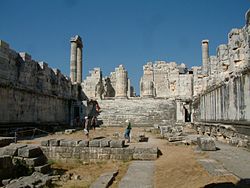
(243, 183)
(217, 149)
(220, 185)
(159, 153)
(99, 137)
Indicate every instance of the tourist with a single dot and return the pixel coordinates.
(94, 122)
(127, 131)
(86, 127)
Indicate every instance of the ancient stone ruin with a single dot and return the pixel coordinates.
(214, 98)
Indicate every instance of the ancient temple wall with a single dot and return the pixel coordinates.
(90, 84)
(166, 80)
(31, 92)
(225, 96)
(185, 89)
(227, 104)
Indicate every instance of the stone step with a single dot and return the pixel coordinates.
(105, 180)
(140, 174)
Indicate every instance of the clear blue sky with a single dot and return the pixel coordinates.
(128, 32)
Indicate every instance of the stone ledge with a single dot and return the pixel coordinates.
(105, 180)
(100, 154)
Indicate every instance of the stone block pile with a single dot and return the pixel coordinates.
(206, 143)
(222, 131)
(17, 160)
(172, 133)
(36, 180)
(96, 150)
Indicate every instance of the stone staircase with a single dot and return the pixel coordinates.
(140, 112)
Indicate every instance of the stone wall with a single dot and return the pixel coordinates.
(166, 80)
(224, 96)
(31, 92)
(141, 112)
(96, 150)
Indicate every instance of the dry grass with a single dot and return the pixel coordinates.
(89, 172)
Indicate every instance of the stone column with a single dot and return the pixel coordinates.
(205, 57)
(73, 60)
(79, 64)
(148, 89)
(121, 82)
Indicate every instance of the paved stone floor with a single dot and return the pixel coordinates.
(140, 174)
(234, 159)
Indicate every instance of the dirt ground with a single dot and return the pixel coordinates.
(176, 167)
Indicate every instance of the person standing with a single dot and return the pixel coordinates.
(128, 131)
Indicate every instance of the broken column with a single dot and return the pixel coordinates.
(76, 59)
(205, 57)
(121, 82)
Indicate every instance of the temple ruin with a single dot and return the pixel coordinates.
(214, 96)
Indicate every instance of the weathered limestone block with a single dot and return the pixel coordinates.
(44, 143)
(145, 153)
(83, 143)
(54, 142)
(103, 153)
(29, 151)
(35, 180)
(206, 143)
(12, 149)
(105, 180)
(94, 143)
(84, 154)
(117, 143)
(37, 161)
(124, 154)
(105, 142)
(69, 143)
(175, 138)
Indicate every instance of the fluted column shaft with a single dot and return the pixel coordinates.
(79, 64)
(73, 61)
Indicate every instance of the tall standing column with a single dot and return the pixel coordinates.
(79, 64)
(73, 60)
(121, 82)
(205, 56)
